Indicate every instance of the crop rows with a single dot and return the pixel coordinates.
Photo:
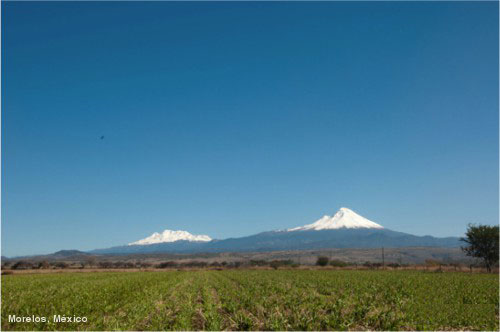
(254, 300)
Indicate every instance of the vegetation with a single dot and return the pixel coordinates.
(338, 263)
(482, 243)
(110, 263)
(322, 261)
(254, 300)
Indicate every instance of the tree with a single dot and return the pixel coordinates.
(482, 243)
(62, 265)
(44, 265)
(105, 264)
(22, 265)
(90, 261)
(275, 264)
(322, 261)
(6, 265)
(165, 265)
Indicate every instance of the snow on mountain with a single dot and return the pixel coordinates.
(344, 218)
(171, 236)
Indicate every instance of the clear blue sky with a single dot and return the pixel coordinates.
(229, 119)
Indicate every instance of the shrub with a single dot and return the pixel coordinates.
(22, 265)
(322, 261)
(61, 265)
(192, 264)
(44, 265)
(168, 264)
(105, 265)
(338, 263)
(118, 265)
(6, 265)
(275, 264)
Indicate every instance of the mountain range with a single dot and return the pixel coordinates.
(345, 229)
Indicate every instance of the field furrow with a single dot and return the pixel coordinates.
(253, 300)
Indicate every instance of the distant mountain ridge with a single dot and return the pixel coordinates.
(272, 241)
(68, 253)
(346, 229)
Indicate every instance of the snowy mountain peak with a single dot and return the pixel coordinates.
(344, 218)
(171, 236)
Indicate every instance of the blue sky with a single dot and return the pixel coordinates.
(229, 119)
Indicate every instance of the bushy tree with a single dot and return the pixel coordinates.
(44, 265)
(275, 264)
(482, 243)
(322, 261)
(105, 264)
(22, 265)
(6, 265)
(169, 264)
(90, 261)
(62, 265)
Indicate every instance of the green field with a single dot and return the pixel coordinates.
(255, 300)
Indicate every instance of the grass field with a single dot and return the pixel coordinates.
(254, 300)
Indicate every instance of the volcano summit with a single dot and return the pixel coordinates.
(344, 218)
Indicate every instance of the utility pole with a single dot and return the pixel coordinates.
(383, 259)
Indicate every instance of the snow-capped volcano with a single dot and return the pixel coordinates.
(346, 229)
(344, 218)
(171, 236)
